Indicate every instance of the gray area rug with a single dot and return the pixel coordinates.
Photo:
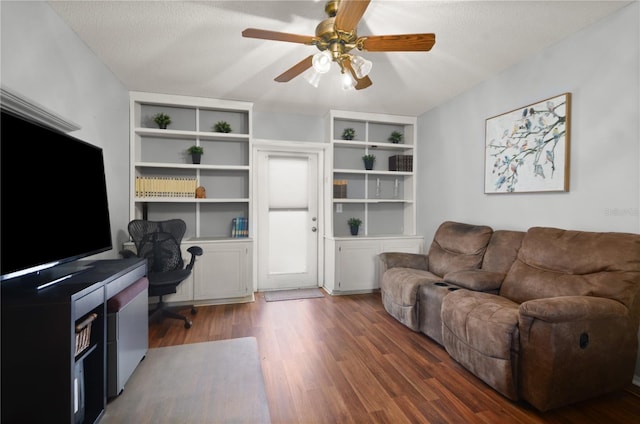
(208, 382)
(278, 295)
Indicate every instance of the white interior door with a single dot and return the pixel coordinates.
(288, 224)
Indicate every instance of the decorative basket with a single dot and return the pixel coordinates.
(339, 189)
(83, 333)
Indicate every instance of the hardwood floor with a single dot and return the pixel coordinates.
(343, 359)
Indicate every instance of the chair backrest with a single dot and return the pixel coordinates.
(554, 262)
(159, 242)
(458, 246)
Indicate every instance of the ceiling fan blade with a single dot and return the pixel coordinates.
(361, 83)
(295, 70)
(277, 36)
(399, 43)
(349, 14)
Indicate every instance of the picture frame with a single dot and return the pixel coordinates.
(527, 149)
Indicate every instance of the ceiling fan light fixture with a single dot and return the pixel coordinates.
(313, 77)
(348, 82)
(322, 62)
(361, 66)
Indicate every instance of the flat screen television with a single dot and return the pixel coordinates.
(54, 207)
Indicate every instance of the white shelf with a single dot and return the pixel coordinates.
(371, 172)
(192, 166)
(379, 145)
(192, 135)
(347, 200)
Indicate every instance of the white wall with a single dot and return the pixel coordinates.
(44, 60)
(600, 67)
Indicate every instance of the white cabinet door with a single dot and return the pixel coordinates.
(356, 265)
(222, 271)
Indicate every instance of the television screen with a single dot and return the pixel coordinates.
(53, 206)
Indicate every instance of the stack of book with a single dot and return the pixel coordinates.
(165, 187)
(239, 227)
(401, 163)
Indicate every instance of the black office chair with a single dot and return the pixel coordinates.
(159, 242)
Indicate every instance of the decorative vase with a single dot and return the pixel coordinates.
(354, 229)
(195, 158)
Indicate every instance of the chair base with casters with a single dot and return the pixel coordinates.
(161, 284)
(163, 311)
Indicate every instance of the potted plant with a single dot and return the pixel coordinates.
(348, 134)
(196, 153)
(222, 126)
(354, 225)
(162, 119)
(396, 137)
(368, 161)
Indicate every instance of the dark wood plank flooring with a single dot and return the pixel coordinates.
(343, 359)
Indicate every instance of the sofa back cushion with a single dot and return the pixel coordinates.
(502, 250)
(457, 246)
(553, 262)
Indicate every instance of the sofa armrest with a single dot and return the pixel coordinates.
(573, 308)
(476, 279)
(573, 348)
(403, 260)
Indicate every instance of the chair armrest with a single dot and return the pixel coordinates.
(574, 348)
(573, 308)
(476, 279)
(195, 251)
(403, 260)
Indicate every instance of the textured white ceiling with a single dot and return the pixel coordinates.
(196, 48)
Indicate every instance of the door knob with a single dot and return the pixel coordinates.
(314, 229)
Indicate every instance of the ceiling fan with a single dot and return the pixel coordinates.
(335, 38)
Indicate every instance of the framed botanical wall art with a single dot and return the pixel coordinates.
(527, 149)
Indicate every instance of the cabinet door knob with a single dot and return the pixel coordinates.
(314, 229)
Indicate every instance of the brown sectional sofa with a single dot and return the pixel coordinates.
(549, 316)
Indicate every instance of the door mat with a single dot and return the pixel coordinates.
(278, 295)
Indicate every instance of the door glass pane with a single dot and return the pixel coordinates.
(288, 183)
(288, 241)
(288, 215)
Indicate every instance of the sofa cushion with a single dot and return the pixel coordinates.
(476, 279)
(553, 262)
(480, 331)
(502, 250)
(399, 288)
(457, 246)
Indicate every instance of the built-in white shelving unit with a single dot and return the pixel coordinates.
(163, 182)
(383, 197)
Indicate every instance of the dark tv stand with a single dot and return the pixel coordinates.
(42, 378)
